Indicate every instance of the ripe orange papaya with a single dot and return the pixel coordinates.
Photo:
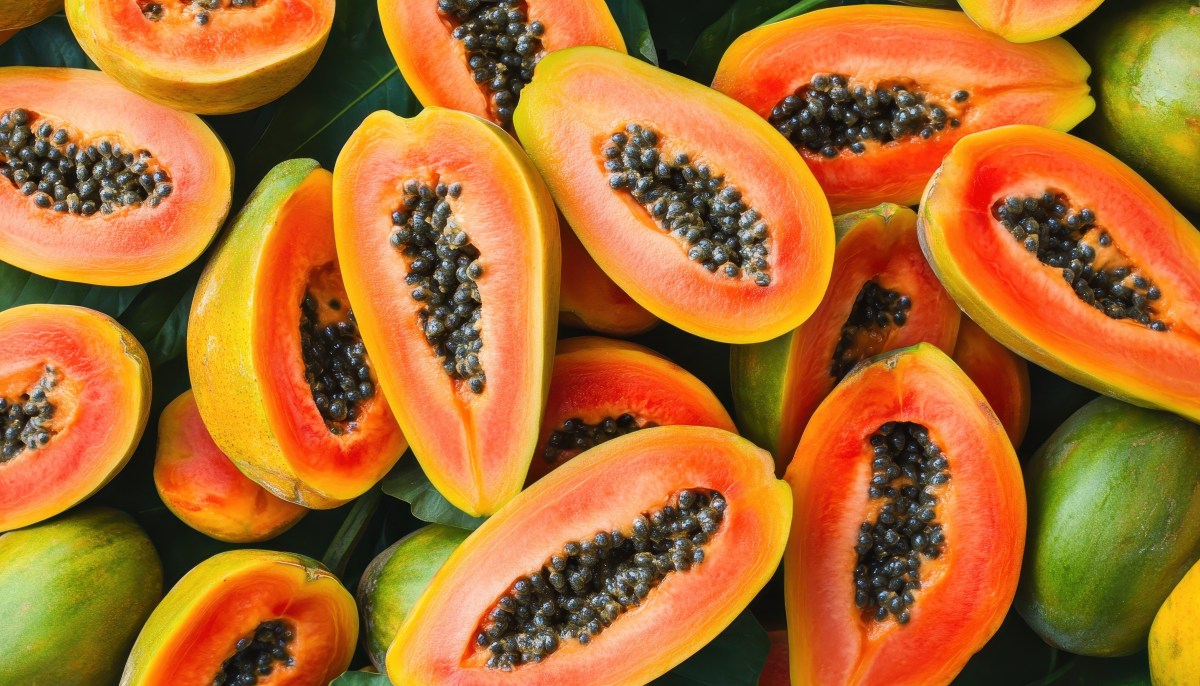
(1025, 21)
(1001, 376)
(589, 299)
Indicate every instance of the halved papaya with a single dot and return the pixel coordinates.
(242, 614)
(100, 185)
(909, 527)
(74, 399)
(1025, 21)
(589, 299)
(280, 374)
(451, 252)
(1067, 257)
(17, 14)
(204, 56)
(612, 569)
(602, 389)
(478, 56)
(873, 96)
(703, 214)
(883, 296)
(1001, 376)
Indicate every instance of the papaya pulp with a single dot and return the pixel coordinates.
(1021, 21)
(908, 528)
(588, 299)
(450, 248)
(1001, 376)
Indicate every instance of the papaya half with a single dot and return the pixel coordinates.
(244, 617)
(1070, 259)
(1174, 660)
(702, 214)
(1001, 376)
(882, 296)
(204, 56)
(74, 400)
(17, 14)
(279, 371)
(909, 526)
(584, 577)
(450, 246)
(1025, 21)
(590, 300)
(100, 185)
(873, 96)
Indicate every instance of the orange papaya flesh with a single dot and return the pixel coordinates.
(883, 296)
(1025, 21)
(608, 134)
(17, 14)
(431, 47)
(75, 386)
(960, 73)
(565, 522)
(269, 326)
(464, 354)
(1110, 229)
(173, 179)
(237, 605)
(588, 299)
(910, 431)
(199, 484)
(1001, 375)
(601, 389)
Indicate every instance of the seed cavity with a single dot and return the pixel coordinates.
(57, 171)
(832, 113)
(907, 470)
(336, 365)
(587, 586)
(200, 10)
(875, 310)
(1071, 241)
(258, 654)
(576, 435)
(690, 201)
(24, 418)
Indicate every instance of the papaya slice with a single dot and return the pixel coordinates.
(909, 526)
(883, 296)
(1070, 259)
(589, 549)
(688, 209)
(477, 57)
(1025, 21)
(139, 190)
(906, 105)
(279, 370)
(602, 389)
(1001, 376)
(204, 56)
(450, 242)
(280, 617)
(589, 299)
(17, 14)
(74, 399)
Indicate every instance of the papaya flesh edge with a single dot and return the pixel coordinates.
(1043, 84)
(96, 376)
(588, 299)
(17, 14)
(244, 351)
(777, 385)
(192, 631)
(602, 490)
(1028, 306)
(1023, 21)
(966, 592)
(134, 244)
(474, 447)
(1001, 375)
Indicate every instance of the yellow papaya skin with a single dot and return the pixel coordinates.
(1026, 21)
(1175, 635)
(17, 14)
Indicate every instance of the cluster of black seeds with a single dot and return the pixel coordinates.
(154, 11)
(23, 419)
(577, 435)
(502, 46)
(583, 589)
(1069, 240)
(875, 309)
(335, 364)
(43, 162)
(830, 114)
(257, 655)
(688, 200)
(906, 467)
(444, 267)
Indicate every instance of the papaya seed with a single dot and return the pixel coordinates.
(336, 365)
(23, 419)
(875, 309)
(154, 11)
(257, 654)
(576, 435)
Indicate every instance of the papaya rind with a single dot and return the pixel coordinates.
(17, 14)
(1174, 636)
(1047, 20)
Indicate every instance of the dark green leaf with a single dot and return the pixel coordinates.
(46, 44)
(408, 483)
(360, 679)
(19, 287)
(351, 532)
(635, 28)
(734, 658)
(741, 16)
(675, 25)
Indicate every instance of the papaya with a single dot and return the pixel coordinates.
(909, 526)
(1026, 21)
(477, 57)
(451, 251)
(910, 82)
(882, 296)
(776, 672)
(685, 208)
(199, 484)
(396, 578)
(74, 591)
(1114, 524)
(204, 56)
(1174, 660)
(602, 389)
(245, 614)
(17, 14)
(139, 190)
(1070, 259)
(74, 400)
(279, 370)
(588, 299)
(1001, 376)
(5, 35)
(612, 569)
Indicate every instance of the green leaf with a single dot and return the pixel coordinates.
(351, 532)
(48, 43)
(734, 658)
(408, 483)
(741, 16)
(361, 679)
(635, 28)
